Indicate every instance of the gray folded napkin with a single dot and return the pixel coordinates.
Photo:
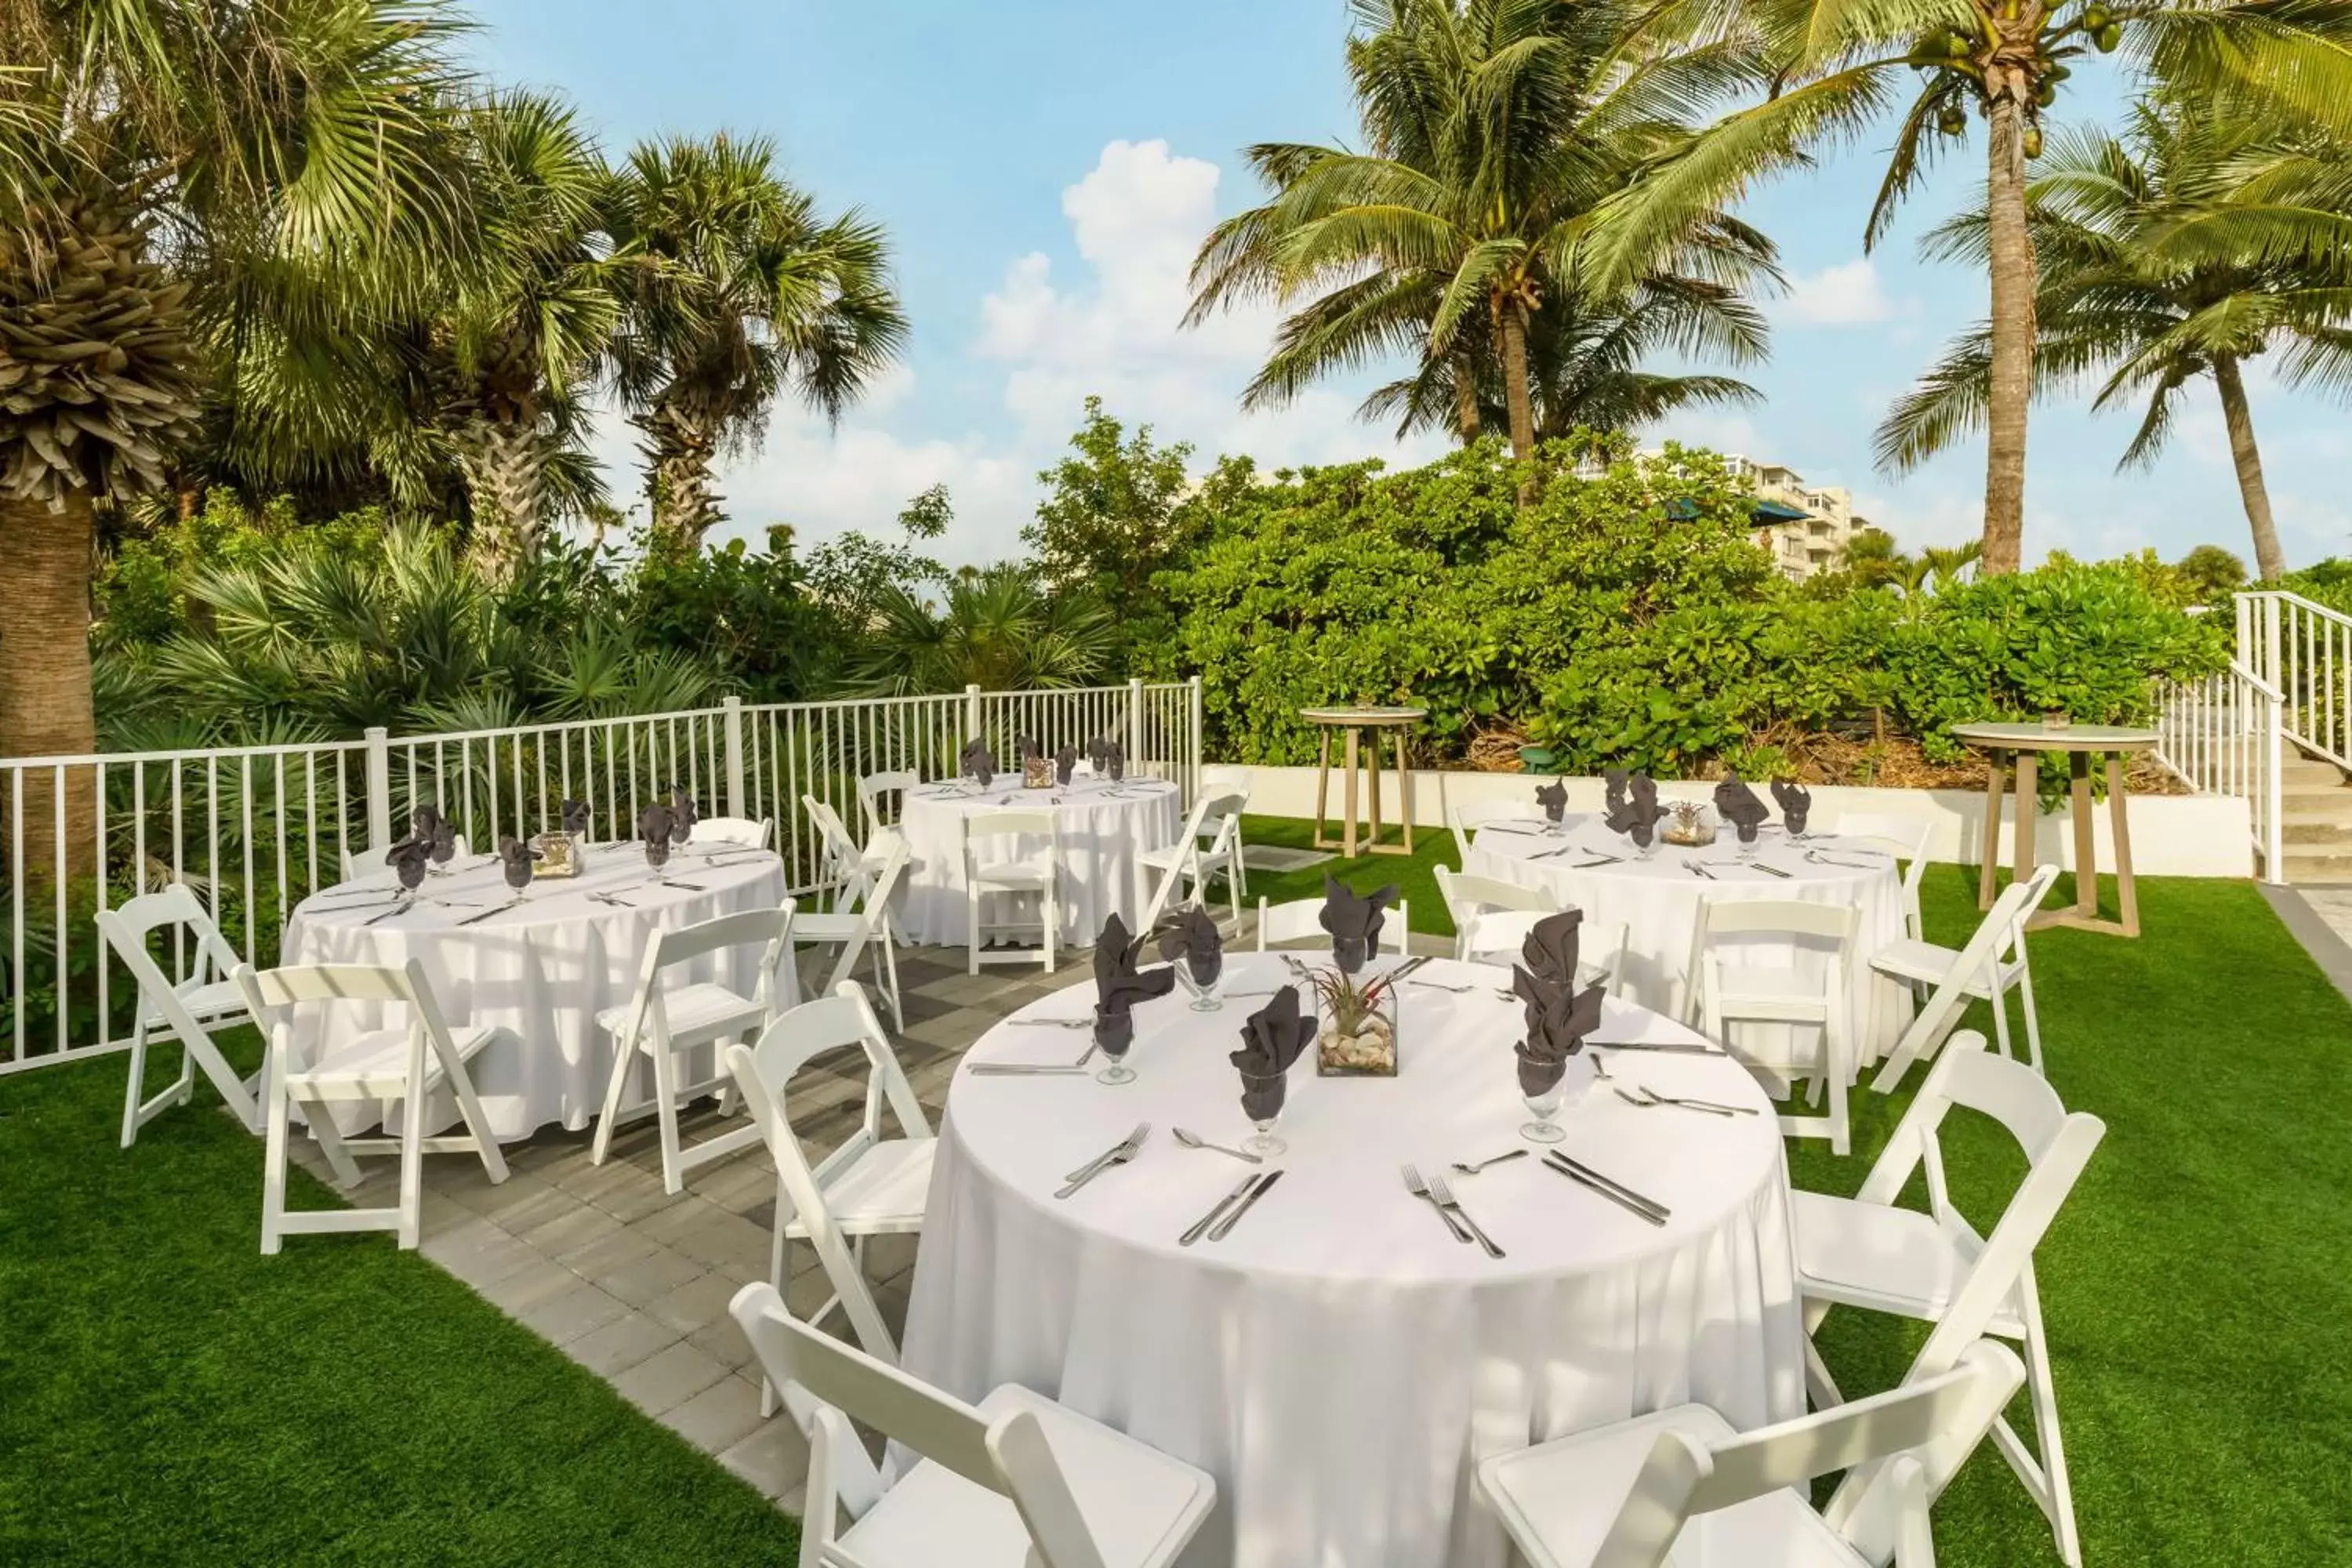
(1553, 798)
(515, 859)
(1066, 762)
(1028, 746)
(1117, 985)
(407, 860)
(1739, 805)
(1612, 781)
(1796, 804)
(979, 762)
(1115, 759)
(1354, 921)
(1190, 937)
(1558, 1018)
(684, 813)
(654, 825)
(1549, 951)
(1638, 814)
(1273, 1038)
(576, 817)
(1098, 753)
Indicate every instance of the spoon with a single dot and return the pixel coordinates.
(1473, 1170)
(1194, 1141)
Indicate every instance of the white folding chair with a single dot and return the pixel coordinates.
(1933, 1268)
(750, 832)
(853, 928)
(1037, 873)
(1682, 1486)
(1467, 817)
(669, 1018)
(193, 1009)
(1987, 968)
(1468, 896)
(870, 1185)
(1016, 1478)
(1301, 919)
(872, 792)
(1905, 838)
(367, 861)
(1500, 939)
(1227, 778)
(1219, 817)
(405, 1063)
(1724, 991)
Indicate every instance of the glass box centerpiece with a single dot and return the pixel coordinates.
(1358, 1021)
(1689, 823)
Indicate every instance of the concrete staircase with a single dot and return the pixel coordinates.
(2315, 821)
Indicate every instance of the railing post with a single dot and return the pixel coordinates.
(1135, 722)
(2272, 669)
(1192, 726)
(379, 785)
(971, 712)
(2274, 830)
(735, 803)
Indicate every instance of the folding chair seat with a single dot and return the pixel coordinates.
(192, 1010)
(407, 1063)
(1933, 1268)
(1016, 1481)
(1681, 1486)
(669, 1017)
(1037, 873)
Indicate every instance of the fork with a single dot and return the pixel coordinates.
(1441, 1193)
(1119, 1153)
(1420, 1189)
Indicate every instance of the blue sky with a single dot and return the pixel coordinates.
(1046, 168)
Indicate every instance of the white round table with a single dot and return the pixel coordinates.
(1657, 901)
(1338, 1362)
(1104, 829)
(542, 970)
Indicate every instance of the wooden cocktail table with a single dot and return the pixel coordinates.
(1355, 722)
(2080, 744)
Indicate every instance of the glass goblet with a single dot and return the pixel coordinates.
(1262, 1099)
(1542, 1086)
(1114, 1033)
(1202, 977)
(1349, 952)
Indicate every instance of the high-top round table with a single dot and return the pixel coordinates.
(1338, 1361)
(1354, 721)
(2082, 745)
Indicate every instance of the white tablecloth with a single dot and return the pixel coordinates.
(1339, 1363)
(543, 970)
(1104, 829)
(1657, 901)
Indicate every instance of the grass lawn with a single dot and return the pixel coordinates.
(168, 1394)
(2196, 1288)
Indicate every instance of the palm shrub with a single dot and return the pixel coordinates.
(997, 627)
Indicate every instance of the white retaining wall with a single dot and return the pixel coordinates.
(2172, 836)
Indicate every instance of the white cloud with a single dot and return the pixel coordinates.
(1846, 295)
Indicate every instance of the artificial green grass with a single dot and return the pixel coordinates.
(2196, 1288)
(168, 1394)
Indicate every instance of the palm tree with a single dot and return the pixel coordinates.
(1496, 129)
(1835, 68)
(997, 629)
(530, 321)
(1873, 557)
(155, 155)
(2195, 242)
(733, 290)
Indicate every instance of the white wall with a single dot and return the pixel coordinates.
(2172, 836)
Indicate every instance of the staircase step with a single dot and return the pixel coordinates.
(2291, 789)
(2308, 866)
(2307, 830)
(2305, 771)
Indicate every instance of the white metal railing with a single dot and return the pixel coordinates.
(2222, 734)
(2305, 651)
(256, 829)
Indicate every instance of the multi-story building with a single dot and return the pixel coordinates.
(1803, 527)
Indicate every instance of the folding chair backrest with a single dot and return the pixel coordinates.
(754, 832)
(1941, 1012)
(767, 929)
(1221, 817)
(1011, 1459)
(1303, 918)
(1925, 1418)
(266, 990)
(1466, 817)
(128, 925)
(1778, 917)
(842, 855)
(993, 823)
(874, 786)
(1466, 893)
(1907, 836)
(1229, 777)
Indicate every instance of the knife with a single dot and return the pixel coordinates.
(1225, 1226)
(1023, 1069)
(1241, 1189)
(1670, 1048)
(1649, 1208)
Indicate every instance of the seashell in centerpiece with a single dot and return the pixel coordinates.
(1689, 823)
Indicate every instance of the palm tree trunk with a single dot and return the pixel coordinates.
(44, 701)
(502, 460)
(2012, 272)
(1515, 395)
(680, 450)
(1465, 399)
(2269, 560)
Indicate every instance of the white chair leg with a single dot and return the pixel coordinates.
(1837, 1051)
(2033, 1021)
(1053, 919)
(477, 1123)
(131, 1101)
(666, 1113)
(971, 926)
(625, 1058)
(412, 1164)
(2000, 1017)
(273, 1158)
(885, 969)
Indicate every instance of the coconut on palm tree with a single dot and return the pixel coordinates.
(1835, 69)
(733, 291)
(2194, 243)
(148, 169)
(1495, 129)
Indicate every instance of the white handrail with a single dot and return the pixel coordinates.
(2303, 651)
(2223, 734)
(258, 828)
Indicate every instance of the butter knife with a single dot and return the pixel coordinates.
(493, 910)
(1652, 1208)
(1223, 1228)
(1241, 1189)
(1769, 870)
(1023, 1069)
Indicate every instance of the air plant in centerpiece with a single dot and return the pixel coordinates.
(1359, 1029)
